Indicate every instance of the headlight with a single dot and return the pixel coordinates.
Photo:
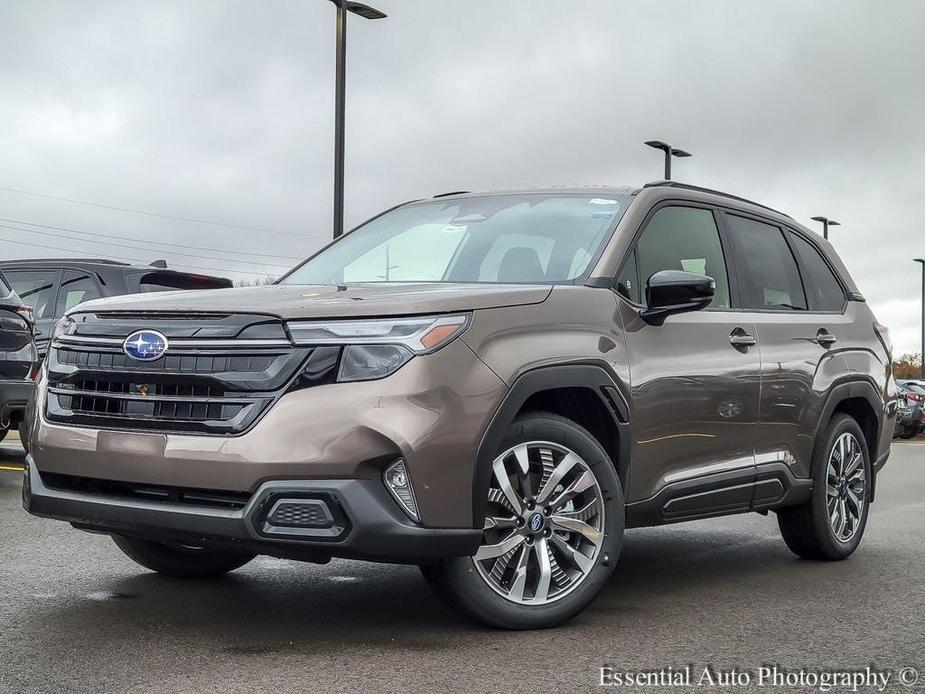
(377, 348)
(420, 334)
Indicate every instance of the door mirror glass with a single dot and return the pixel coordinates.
(676, 291)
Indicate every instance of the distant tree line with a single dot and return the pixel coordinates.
(907, 366)
(260, 281)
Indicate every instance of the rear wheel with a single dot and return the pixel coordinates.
(830, 525)
(181, 561)
(552, 534)
(3, 433)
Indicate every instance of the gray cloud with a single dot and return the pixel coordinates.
(223, 110)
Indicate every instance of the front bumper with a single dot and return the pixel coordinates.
(367, 523)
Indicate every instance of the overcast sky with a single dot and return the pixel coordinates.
(223, 111)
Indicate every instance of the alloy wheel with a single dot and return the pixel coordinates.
(846, 487)
(544, 527)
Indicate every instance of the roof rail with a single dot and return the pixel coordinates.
(699, 189)
(98, 261)
(454, 192)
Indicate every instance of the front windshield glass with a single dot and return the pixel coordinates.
(518, 239)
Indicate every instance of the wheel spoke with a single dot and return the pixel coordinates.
(576, 526)
(855, 501)
(504, 484)
(523, 470)
(506, 545)
(842, 519)
(834, 514)
(856, 461)
(590, 510)
(492, 523)
(575, 557)
(582, 484)
(545, 569)
(520, 575)
(561, 470)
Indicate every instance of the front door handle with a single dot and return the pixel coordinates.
(740, 338)
(825, 338)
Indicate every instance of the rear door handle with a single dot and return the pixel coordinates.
(825, 338)
(740, 338)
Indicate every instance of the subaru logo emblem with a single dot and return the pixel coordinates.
(536, 522)
(145, 345)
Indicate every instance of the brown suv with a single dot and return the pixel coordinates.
(491, 386)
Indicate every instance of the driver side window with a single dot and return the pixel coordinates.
(676, 238)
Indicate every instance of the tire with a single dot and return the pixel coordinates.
(909, 435)
(179, 561)
(3, 433)
(532, 592)
(813, 530)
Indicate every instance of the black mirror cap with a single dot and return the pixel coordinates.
(676, 291)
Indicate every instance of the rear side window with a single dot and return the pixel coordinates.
(36, 288)
(767, 270)
(171, 281)
(825, 292)
(76, 287)
(681, 238)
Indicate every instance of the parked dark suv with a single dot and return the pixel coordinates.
(53, 286)
(17, 358)
(492, 386)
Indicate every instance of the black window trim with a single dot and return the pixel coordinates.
(725, 246)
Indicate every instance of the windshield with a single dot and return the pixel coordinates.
(518, 239)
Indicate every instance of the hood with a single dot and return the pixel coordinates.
(306, 301)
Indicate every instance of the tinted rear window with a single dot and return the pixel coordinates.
(170, 281)
(767, 270)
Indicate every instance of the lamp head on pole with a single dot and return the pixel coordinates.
(669, 153)
(358, 8)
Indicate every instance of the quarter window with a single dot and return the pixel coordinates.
(75, 289)
(825, 292)
(768, 274)
(680, 238)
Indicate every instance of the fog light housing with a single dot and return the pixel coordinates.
(398, 483)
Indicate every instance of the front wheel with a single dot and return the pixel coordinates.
(552, 533)
(830, 525)
(180, 560)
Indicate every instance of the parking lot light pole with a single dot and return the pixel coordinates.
(921, 261)
(826, 223)
(669, 153)
(340, 82)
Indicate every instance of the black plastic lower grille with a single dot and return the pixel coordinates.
(129, 490)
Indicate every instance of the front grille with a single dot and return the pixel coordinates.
(171, 363)
(210, 381)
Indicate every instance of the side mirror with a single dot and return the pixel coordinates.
(675, 291)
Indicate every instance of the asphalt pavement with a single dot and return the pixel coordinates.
(725, 594)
